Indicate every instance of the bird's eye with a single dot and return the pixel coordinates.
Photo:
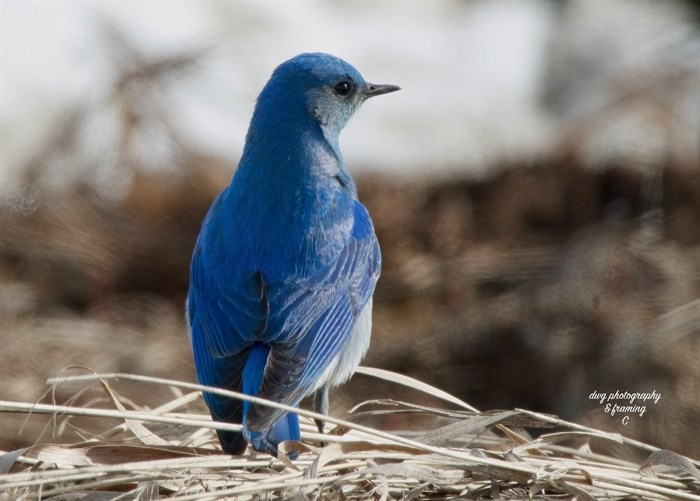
(343, 88)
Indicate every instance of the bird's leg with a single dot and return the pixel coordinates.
(321, 405)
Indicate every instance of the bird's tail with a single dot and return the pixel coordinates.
(287, 428)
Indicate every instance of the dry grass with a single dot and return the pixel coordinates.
(171, 452)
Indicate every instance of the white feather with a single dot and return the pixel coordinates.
(345, 363)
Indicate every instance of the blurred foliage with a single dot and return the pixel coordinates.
(530, 289)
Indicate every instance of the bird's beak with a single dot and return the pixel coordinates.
(372, 90)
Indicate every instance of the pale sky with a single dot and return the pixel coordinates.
(471, 72)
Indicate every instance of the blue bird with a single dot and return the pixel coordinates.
(285, 265)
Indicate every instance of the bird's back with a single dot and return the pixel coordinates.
(271, 260)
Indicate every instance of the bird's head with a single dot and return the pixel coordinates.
(322, 86)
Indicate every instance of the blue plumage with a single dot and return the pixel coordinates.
(285, 265)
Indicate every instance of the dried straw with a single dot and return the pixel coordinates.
(171, 452)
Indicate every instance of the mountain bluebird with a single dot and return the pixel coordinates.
(284, 268)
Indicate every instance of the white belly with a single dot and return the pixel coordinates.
(344, 364)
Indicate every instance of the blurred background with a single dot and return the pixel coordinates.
(535, 188)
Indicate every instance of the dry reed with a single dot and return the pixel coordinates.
(171, 452)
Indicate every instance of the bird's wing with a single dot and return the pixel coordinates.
(311, 318)
(224, 319)
(225, 316)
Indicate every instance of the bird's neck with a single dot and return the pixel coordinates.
(286, 158)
